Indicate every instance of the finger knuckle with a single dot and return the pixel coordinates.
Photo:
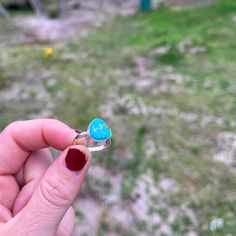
(55, 192)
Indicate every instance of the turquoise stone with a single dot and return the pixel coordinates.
(98, 130)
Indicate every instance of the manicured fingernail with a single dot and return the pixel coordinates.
(75, 159)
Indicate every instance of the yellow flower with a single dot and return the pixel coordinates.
(48, 52)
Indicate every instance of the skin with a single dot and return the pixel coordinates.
(36, 193)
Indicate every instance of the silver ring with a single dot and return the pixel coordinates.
(95, 145)
(96, 139)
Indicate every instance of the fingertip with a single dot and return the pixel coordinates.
(60, 135)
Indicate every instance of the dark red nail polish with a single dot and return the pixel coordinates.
(77, 131)
(75, 159)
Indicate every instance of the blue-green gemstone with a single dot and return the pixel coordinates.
(98, 130)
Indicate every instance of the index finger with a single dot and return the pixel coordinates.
(21, 137)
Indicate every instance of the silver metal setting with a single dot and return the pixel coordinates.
(93, 145)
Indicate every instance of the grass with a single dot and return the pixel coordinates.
(106, 59)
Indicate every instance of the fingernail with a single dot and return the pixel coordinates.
(77, 131)
(75, 159)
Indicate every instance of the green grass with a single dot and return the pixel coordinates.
(88, 81)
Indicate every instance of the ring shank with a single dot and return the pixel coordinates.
(96, 145)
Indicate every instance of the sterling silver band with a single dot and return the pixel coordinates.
(95, 145)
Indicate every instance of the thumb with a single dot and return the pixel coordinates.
(55, 193)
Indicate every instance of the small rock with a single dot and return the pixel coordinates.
(192, 233)
(168, 184)
(197, 49)
(216, 223)
(161, 50)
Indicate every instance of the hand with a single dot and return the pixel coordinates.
(36, 192)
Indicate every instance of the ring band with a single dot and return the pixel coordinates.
(93, 146)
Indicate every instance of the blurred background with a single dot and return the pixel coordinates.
(162, 74)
